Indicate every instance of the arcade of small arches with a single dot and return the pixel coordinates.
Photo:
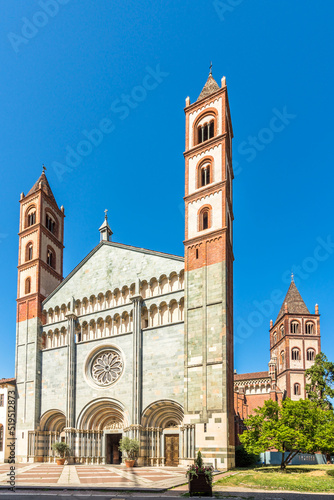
(102, 423)
(95, 303)
(156, 315)
(253, 386)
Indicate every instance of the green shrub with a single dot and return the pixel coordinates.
(244, 459)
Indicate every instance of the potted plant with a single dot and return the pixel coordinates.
(200, 477)
(62, 449)
(131, 448)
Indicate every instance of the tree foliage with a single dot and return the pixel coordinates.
(320, 381)
(130, 447)
(243, 458)
(285, 427)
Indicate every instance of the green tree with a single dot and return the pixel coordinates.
(130, 447)
(320, 381)
(285, 427)
(324, 433)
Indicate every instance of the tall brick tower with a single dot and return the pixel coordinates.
(209, 415)
(40, 270)
(294, 343)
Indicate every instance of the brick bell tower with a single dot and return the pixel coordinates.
(40, 270)
(209, 414)
(294, 343)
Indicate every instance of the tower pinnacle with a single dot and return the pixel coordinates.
(105, 230)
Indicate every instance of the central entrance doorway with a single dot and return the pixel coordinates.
(172, 450)
(113, 455)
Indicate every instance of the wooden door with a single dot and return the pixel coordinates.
(172, 450)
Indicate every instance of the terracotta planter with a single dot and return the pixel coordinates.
(130, 463)
(60, 461)
(198, 486)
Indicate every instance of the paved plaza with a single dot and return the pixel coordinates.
(43, 474)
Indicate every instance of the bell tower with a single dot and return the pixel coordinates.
(40, 270)
(294, 342)
(209, 414)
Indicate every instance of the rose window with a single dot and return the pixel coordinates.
(107, 367)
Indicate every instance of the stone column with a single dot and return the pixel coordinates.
(137, 360)
(70, 402)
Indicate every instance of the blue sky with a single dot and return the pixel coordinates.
(67, 76)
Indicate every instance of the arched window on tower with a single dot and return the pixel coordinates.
(282, 358)
(50, 259)
(50, 223)
(309, 328)
(295, 354)
(31, 217)
(296, 389)
(27, 285)
(205, 132)
(310, 354)
(205, 175)
(29, 251)
(204, 219)
(294, 327)
(274, 337)
(282, 330)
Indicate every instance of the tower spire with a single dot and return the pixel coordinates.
(105, 230)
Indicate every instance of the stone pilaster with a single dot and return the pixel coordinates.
(137, 361)
(70, 402)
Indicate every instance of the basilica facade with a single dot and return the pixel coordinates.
(133, 342)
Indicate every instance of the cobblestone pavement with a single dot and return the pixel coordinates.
(37, 474)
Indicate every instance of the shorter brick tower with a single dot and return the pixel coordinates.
(294, 342)
(40, 270)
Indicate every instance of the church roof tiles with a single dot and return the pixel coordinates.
(250, 376)
(44, 185)
(294, 301)
(209, 88)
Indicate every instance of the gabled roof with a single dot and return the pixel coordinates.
(45, 187)
(295, 303)
(11, 381)
(209, 88)
(116, 245)
(250, 376)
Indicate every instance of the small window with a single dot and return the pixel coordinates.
(212, 129)
(205, 177)
(196, 253)
(29, 253)
(296, 389)
(27, 287)
(282, 330)
(282, 357)
(2, 399)
(50, 223)
(50, 259)
(294, 327)
(309, 328)
(31, 218)
(295, 354)
(1, 437)
(205, 219)
(274, 337)
(310, 354)
(205, 132)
